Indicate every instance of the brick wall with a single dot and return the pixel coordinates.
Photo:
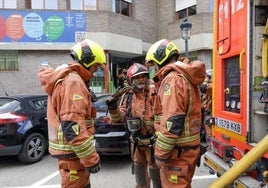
(25, 80)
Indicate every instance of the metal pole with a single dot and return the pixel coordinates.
(186, 47)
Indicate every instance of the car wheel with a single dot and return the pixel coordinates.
(33, 149)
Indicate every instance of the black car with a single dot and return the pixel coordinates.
(100, 104)
(23, 127)
(110, 138)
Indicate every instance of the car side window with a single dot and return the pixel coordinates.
(40, 104)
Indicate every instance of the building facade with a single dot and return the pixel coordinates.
(33, 32)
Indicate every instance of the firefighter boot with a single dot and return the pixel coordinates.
(155, 176)
(141, 175)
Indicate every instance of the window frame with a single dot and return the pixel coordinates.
(43, 5)
(187, 12)
(83, 4)
(4, 3)
(9, 60)
(118, 5)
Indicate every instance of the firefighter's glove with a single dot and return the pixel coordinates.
(112, 104)
(94, 169)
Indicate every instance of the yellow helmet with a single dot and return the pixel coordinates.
(88, 53)
(160, 51)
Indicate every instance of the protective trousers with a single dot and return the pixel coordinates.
(178, 171)
(73, 174)
(142, 162)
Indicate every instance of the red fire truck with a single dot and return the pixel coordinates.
(238, 147)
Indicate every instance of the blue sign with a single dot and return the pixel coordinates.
(42, 26)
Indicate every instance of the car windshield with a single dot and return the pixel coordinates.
(8, 105)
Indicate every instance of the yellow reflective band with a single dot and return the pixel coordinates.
(165, 146)
(91, 137)
(173, 179)
(148, 123)
(167, 139)
(85, 149)
(60, 147)
(169, 143)
(73, 178)
(77, 97)
(75, 129)
(186, 124)
(164, 142)
(60, 135)
(69, 148)
(73, 171)
(157, 118)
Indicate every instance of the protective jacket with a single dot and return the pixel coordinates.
(137, 105)
(178, 106)
(70, 113)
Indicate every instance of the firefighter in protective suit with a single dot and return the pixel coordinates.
(206, 99)
(136, 109)
(70, 114)
(178, 112)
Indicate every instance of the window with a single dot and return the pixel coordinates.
(123, 7)
(185, 8)
(9, 60)
(39, 104)
(192, 58)
(90, 5)
(83, 4)
(42, 4)
(186, 12)
(12, 4)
